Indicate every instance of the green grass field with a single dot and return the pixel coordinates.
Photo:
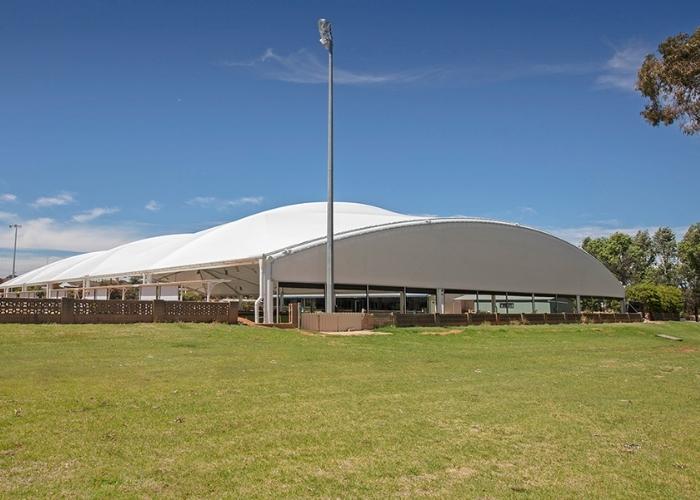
(212, 410)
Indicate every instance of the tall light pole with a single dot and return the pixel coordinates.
(14, 253)
(324, 28)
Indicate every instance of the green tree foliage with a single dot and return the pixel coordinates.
(656, 298)
(192, 295)
(689, 250)
(665, 249)
(671, 83)
(643, 256)
(650, 261)
(628, 258)
(689, 253)
(598, 304)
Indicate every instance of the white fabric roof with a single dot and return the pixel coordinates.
(244, 239)
(405, 250)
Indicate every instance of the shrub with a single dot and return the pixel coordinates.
(192, 295)
(656, 298)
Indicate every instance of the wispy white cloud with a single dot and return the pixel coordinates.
(153, 206)
(566, 68)
(8, 197)
(607, 222)
(307, 67)
(223, 204)
(52, 201)
(47, 233)
(528, 211)
(26, 261)
(303, 66)
(7, 216)
(202, 201)
(94, 213)
(620, 71)
(248, 200)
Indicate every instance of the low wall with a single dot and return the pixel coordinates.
(656, 316)
(198, 312)
(14, 310)
(340, 322)
(105, 311)
(69, 311)
(414, 320)
(403, 320)
(380, 319)
(482, 318)
(336, 322)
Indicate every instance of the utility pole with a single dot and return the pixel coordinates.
(324, 28)
(14, 253)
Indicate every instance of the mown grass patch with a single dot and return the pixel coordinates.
(213, 410)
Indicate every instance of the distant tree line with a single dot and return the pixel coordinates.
(658, 272)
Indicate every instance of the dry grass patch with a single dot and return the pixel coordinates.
(442, 332)
(355, 333)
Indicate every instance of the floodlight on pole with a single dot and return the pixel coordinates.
(324, 29)
(14, 252)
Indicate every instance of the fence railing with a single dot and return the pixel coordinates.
(15, 310)
(513, 319)
(338, 322)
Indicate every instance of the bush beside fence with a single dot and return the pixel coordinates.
(68, 311)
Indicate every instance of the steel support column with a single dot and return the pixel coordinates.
(440, 300)
(268, 305)
(277, 304)
(261, 289)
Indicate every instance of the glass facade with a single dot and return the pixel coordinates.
(516, 303)
(357, 299)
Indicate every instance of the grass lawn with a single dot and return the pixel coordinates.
(212, 410)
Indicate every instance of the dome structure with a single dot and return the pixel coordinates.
(373, 247)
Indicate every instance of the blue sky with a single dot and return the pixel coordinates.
(126, 119)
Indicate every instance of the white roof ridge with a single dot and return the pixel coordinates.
(264, 233)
